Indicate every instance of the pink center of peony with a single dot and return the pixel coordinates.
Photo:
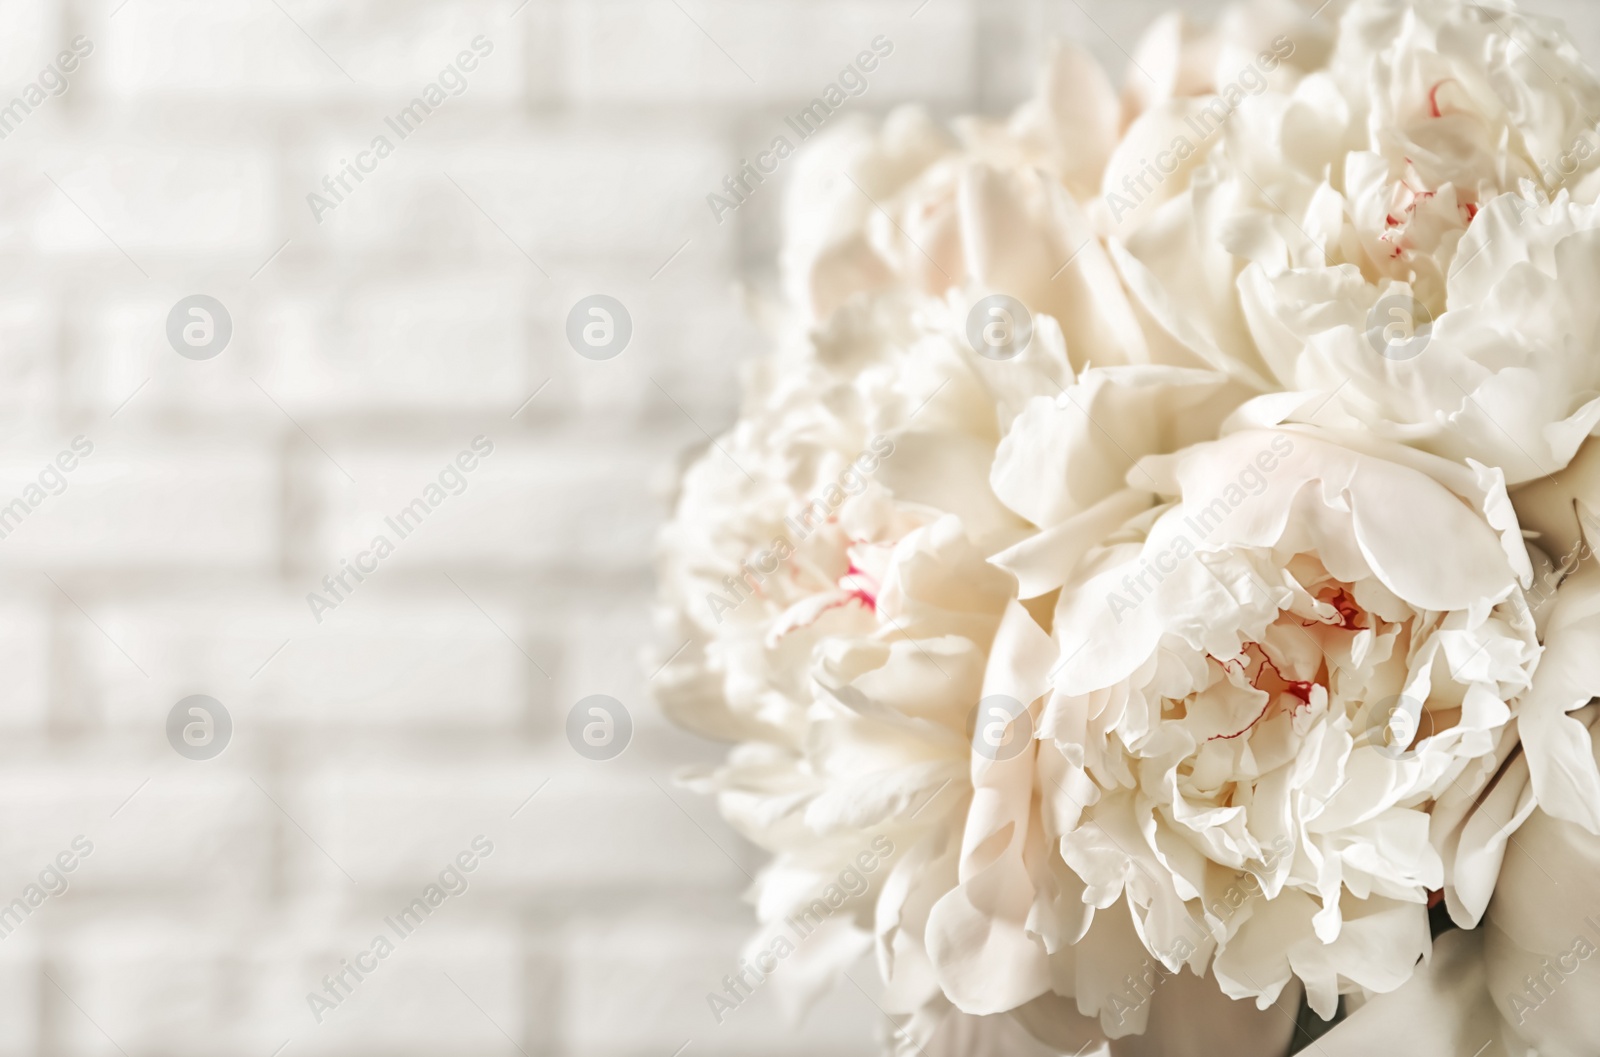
(1350, 613)
(855, 592)
(1409, 194)
(1270, 681)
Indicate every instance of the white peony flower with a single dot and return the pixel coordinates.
(825, 575)
(1506, 372)
(988, 218)
(1005, 206)
(1389, 231)
(1119, 694)
(1273, 678)
(882, 755)
(1016, 931)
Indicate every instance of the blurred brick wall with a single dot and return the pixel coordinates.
(367, 351)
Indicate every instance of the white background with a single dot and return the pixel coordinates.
(367, 351)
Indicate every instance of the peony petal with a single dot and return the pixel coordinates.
(1542, 935)
(1442, 1011)
(1043, 562)
(978, 940)
(1191, 1017)
(1064, 454)
(1566, 780)
(1026, 237)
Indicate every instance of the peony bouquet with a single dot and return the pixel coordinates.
(1149, 588)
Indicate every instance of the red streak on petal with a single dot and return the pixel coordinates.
(1349, 613)
(1296, 688)
(1247, 728)
(1433, 97)
(1299, 688)
(1419, 191)
(854, 596)
(861, 594)
(1435, 898)
(1226, 665)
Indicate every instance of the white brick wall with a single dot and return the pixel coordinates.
(368, 350)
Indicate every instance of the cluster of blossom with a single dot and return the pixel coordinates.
(1275, 534)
